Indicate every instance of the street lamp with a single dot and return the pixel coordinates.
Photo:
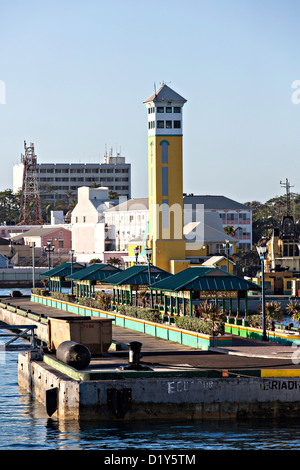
(148, 252)
(262, 250)
(49, 248)
(136, 254)
(71, 252)
(227, 247)
(33, 264)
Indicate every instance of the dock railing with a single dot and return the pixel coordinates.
(21, 331)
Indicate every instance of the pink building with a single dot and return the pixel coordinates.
(56, 236)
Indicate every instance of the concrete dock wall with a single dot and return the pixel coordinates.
(14, 316)
(106, 395)
(37, 377)
(141, 397)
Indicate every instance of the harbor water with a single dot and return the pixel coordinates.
(25, 425)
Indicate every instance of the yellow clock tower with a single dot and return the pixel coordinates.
(165, 179)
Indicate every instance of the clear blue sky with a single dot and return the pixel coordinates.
(76, 74)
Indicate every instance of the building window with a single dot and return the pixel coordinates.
(165, 214)
(160, 109)
(177, 109)
(177, 124)
(160, 124)
(169, 124)
(165, 183)
(164, 151)
(168, 109)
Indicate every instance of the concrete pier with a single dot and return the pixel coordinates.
(107, 394)
(180, 382)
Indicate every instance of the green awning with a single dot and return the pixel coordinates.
(63, 270)
(204, 279)
(137, 275)
(94, 272)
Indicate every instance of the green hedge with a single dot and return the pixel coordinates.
(139, 312)
(199, 325)
(40, 291)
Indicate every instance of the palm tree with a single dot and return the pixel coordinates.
(212, 312)
(230, 230)
(293, 308)
(115, 261)
(273, 312)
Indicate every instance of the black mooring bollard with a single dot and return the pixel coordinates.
(134, 357)
(134, 353)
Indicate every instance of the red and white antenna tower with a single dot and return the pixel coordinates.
(31, 212)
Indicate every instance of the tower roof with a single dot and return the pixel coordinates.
(165, 94)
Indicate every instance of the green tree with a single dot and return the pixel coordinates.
(212, 312)
(95, 260)
(267, 216)
(230, 230)
(114, 261)
(293, 309)
(247, 262)
(273, 311)
(10, 204)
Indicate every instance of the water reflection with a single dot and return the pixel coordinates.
(25, 425)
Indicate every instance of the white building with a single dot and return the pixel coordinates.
(125, 222)
(88, 223)
(55, 179)
(232, 213)
(99, 226)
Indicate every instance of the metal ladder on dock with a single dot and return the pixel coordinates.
(22, 331)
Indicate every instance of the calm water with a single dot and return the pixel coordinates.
(25, 425)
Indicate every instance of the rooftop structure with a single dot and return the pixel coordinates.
(55, 179)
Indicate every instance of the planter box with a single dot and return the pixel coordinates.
(277, 336)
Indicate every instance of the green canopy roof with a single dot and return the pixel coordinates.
(63, 270)
(94, 272)
(137, 275)
(204, 279)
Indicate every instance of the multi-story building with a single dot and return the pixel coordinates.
(232, 213)
(127, 226)
(125, 222)
(55, 179)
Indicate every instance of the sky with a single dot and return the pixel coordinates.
(74, 75)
